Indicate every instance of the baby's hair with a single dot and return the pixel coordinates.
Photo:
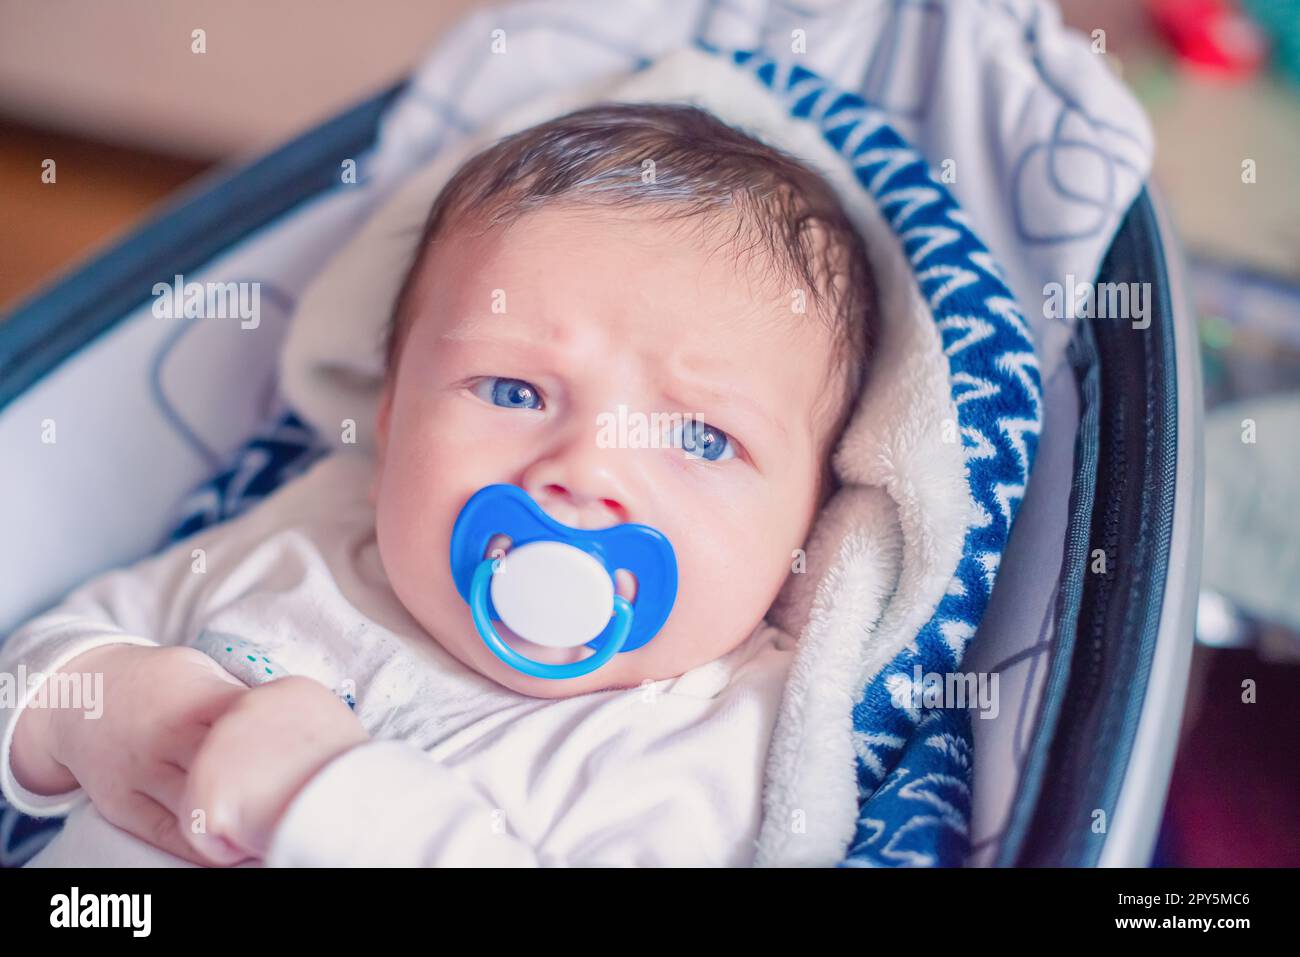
(693, 168)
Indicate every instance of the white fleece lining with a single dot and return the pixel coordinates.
(805, 799)
(882, 561)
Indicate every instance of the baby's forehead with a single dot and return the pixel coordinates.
(653, 210)
(555, 272)
(701, 261)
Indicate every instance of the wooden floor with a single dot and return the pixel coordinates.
(99, 192)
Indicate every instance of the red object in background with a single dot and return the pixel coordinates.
(1234, 797)
(1211, 34)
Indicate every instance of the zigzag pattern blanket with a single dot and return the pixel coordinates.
(914, 764)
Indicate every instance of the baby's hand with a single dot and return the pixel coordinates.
(157, 706)
(257, 757)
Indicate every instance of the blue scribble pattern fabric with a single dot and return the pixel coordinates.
(282, 451)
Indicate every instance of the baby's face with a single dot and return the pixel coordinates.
(520, 339)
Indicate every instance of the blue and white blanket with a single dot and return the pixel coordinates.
(914, 763)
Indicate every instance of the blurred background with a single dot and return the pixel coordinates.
(134, 120)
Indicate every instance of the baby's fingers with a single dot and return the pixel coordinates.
(208, 796)
(166, 785)
(182, 744)
(139, 814)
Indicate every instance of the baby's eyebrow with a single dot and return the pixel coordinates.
(715, 395)
(498, 329)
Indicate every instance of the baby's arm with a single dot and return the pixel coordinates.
(674, 778)
(388, 804)
(689, 800)
(102, 709)
(367, 803)
(155, 708)
(130, 748)
(121, 607)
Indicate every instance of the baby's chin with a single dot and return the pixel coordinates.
(472, 652)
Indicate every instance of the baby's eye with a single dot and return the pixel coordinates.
(508, 393)
(703, 441)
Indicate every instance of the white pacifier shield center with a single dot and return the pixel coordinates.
(553, 594)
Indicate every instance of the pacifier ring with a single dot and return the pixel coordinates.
(556, 586)
(618, 631)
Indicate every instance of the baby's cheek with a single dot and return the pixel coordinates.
(730, 571)
(413, 515)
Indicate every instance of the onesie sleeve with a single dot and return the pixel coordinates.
(156, 601)
(145, 604)
(388, 804)
(159, 600)
(672, 781)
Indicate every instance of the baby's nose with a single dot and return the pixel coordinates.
(578, 508)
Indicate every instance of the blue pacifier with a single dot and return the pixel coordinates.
(555, 586)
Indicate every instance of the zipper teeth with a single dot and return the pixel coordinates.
(1099, 589)
(1117, 470)
(1137, 393)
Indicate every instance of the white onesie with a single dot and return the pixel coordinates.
(461, 771)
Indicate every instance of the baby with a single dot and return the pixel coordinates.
(304, 685)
